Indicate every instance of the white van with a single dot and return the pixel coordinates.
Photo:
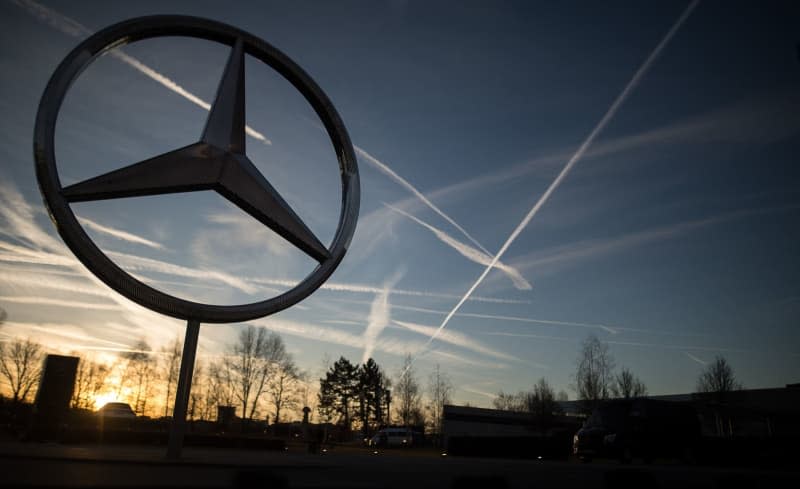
(392, 437)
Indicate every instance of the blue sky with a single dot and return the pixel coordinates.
(674, 237)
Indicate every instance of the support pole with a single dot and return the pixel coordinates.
(182, 392)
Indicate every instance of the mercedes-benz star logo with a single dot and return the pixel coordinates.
(218, 162)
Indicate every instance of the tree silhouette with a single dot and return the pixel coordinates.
(439, 389)
(627, 385)
(542, 405)
(407, 395)
(138, 374)
(89, 381)
(506, 401)
(20, 366)
(254, 358)
(170, 368)
(593, 375)
(372, 385)
(284, 387)
(718, 377)
(338, 390)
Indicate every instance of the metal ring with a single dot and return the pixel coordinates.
(93, 258)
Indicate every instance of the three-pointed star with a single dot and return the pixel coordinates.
(217, 162)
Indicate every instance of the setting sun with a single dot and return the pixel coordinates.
(103, 399)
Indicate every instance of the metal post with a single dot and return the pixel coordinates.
(182, 392)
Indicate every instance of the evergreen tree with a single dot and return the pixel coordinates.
(338, 390)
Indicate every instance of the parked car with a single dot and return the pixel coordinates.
(116, 410)
(394, 437)
(645, 428)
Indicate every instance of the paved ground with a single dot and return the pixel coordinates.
(37, 464)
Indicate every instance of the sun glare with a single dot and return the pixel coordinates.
(103, 399)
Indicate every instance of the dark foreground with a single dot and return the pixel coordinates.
(41, 464)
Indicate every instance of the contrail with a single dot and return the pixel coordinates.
(696, 359)
(468, 251)
(49, 301)
(403, 182)
(120, 234)
(76, 29)
(608, 329)
(371, 289)
(575, 158)
(457, 339)
(630, 343)
(380, 313)
(19, 216)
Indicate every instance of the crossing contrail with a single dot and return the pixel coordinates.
(405, 183)
(572, 161)
(74, 28)
(468, 251)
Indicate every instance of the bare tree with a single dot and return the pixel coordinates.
(89, 381)
(197, 393)
(627, 385)
(507, 401)
(283, 387)
(407, 396)
(170, 369)
(218, 387)
(718, 377)
(138, 375)
(562, 396)
(255, 356)
(593, 375)
(541, 403)
(439, 390)
(20, 366)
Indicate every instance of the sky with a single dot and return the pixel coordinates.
(633, 163)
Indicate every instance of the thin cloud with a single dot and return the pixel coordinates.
(20, 217)
(608, 329)
(527, 335)
(48, 301)
(35, 282)
(134, 262)
(680, 347)
(457, 339)
(575, 158)
(64, 330)
(379, 316)
(21, 254)
(696, 359)
(120, 234)
(452, 357)
(625, 343)
(593, 248)
(343, 322)
(419, 195)
(76, 29)
(468, 251)
(371, 289)
(472, 390)
(391, 346)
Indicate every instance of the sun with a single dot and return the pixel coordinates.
(102, 399)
